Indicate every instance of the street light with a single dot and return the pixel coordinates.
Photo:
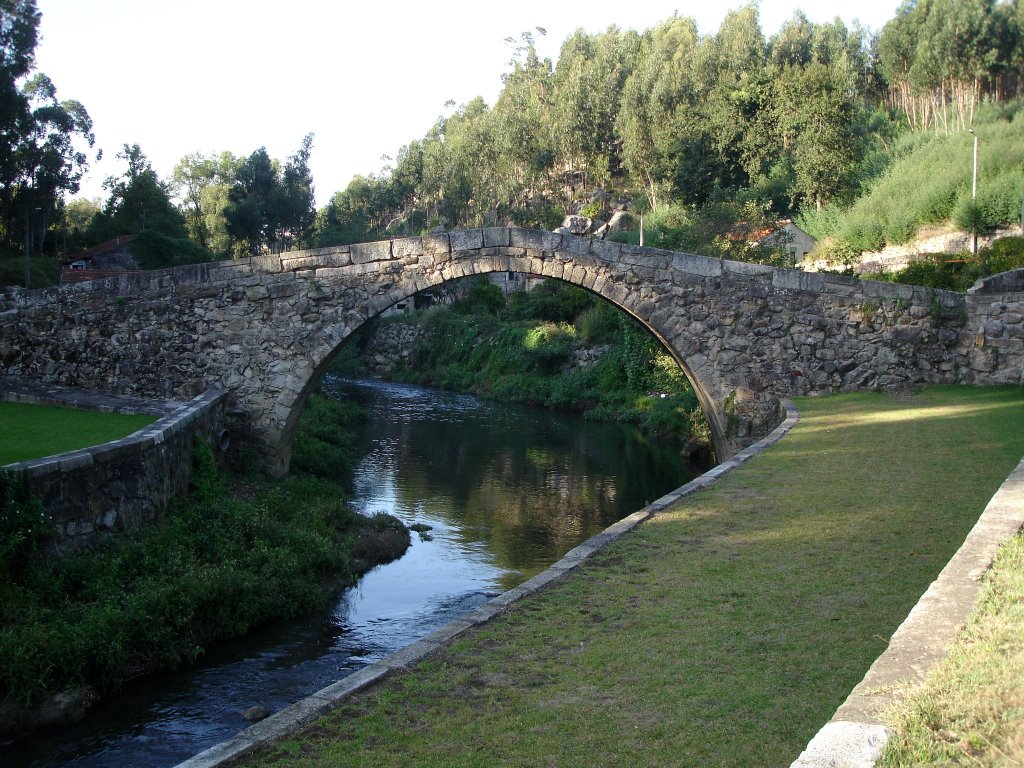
(974, 187)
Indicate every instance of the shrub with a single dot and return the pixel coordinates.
(599, 324)
(1005, 254)
(154, 251)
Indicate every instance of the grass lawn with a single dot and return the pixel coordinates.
(30, 431)
(723, 632)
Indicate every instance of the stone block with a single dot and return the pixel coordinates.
(406, 246)
(535, 239)
(266, 263)
(225, 274)
(745, 269)
(878, 290)
(365, 253)
(467, 240)
(436, 243)
(572, 245)
(702, 266)
(496, 237)
(606, 250)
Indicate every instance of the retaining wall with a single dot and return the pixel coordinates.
(125, 484)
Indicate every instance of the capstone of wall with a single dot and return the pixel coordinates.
(125, 484)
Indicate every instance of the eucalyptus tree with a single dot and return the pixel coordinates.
(659, 88)
(521, 123)
(43, 140)
(202, 183)
(586, 92)
(139, 201)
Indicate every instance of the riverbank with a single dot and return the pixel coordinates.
(240, 551)
(724, 631)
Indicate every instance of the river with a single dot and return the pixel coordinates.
(504, 490)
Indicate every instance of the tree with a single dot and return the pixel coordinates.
(270, 207)
(41, 138)
(201, 183)
(298, 202)
(139, 201)
(19, 29)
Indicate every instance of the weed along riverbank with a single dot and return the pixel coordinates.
(723, 631)
(556, 346)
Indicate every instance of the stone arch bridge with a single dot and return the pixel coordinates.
(264, 328)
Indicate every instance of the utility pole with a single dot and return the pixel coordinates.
(974, 187)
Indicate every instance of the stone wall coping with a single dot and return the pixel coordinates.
(1011, 282)
(176, 415)
(856, 735)
(290, 719)
(505, 241)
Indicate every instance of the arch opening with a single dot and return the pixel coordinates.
(446, 290)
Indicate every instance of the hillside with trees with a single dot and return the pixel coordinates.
(699, 132)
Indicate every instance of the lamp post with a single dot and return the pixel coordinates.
(974, 187)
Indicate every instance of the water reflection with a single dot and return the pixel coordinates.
(509, 488)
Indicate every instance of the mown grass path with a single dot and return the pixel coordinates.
(31, 431)
(724, 631)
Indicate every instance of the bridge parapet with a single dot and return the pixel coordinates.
(265, 327)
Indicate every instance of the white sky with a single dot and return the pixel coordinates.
(364, 77)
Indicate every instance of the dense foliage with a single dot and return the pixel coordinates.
(960, 272)
(929, 182)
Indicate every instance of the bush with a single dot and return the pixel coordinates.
(325, 438)
(219, 565)
(484, 298)
(24, 527)
(600, 323)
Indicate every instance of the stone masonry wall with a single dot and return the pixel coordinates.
(994, 337)
(264, 328)
(124, 484)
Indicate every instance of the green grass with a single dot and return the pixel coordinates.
(726, 630)
(44, 271)
(30, 431)
(970, 710)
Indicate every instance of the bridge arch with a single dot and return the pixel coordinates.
(264, 327)
(406, 289)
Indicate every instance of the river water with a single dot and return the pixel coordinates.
(505, 490)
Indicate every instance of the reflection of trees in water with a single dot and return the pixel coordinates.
(530, 484)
